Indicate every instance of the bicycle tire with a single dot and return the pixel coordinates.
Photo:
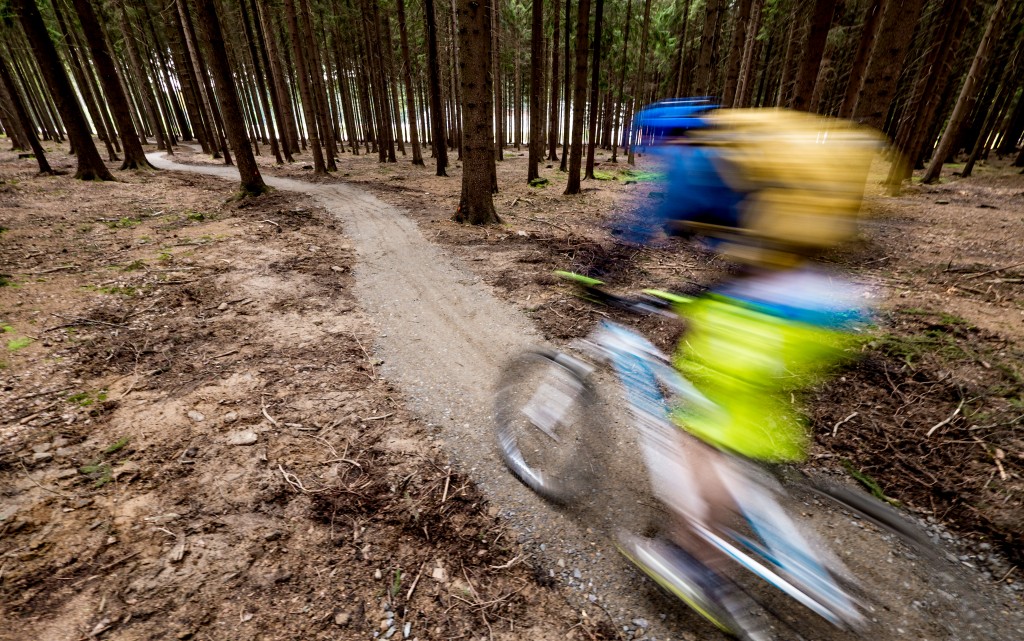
(543, 405)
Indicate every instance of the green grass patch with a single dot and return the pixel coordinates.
(539, 182)
(100, 473)
(123, 223)
(85, 399)
(6, 281)
(604, 175)
(15, 344)
(117, 445)
(118, 290)
(640, 176)
(869, 483)
(135, 265)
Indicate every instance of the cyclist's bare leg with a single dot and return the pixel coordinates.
(691, 481)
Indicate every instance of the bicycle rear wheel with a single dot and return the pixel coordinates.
(544, 404)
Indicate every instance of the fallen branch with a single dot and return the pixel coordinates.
(39, 485)
(51, 270)
(993, 271)
(955, 413)
(835, 428)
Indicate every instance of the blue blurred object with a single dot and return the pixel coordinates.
(670, 118)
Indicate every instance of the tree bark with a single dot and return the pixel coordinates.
(251, 180)
(87, 87)
(205, 90)
(90, 165)
(892, 43)
(268, 105)
(434, 72)
(553, 97)
(476, 204)
(813, 48)
(751, 49)
(868, 31)
(28, 130)
(579, 97)
(134, 156)
(704, 71)
(417, 156)
(567, 90)
(1013, 130)
(536, 146)
(967, 92)
(499, 109)
(312, 133)
(595, 77)
(638, 87)
(148, 97)
(622, 80)
(1007, 87)
(736, 50)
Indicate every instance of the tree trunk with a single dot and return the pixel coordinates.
(704, 71)
(90, 165)
(579, 97)
(315, 73)
(87, 87)
(751, 49)
(967, 92)
(392, 84)
(189, 84)
(595, 77)
(134, 156)
(279, 94)
(499, 102)
(261, 81)
(622, 80)
(736, 51)
(476, 204)
(251, 180)
(1013, 130)
(1007, 87)
(567, 90)
(868, 31)
(28, 130)
(892, 43)
(417, 156)
(536, 147)
(205, 89)
(148, 96)
(813, 48)
(553, 101)
(434, 72)
(312, 133)
(638, 88)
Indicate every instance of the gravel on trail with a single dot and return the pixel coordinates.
(442, 339)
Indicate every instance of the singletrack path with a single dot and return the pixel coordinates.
(443, 337)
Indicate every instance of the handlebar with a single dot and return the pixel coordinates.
(653, 301)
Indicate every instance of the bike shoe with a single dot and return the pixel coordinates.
(709, 594)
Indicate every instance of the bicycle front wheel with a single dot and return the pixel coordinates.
(545, 402)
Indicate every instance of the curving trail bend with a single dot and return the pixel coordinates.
(443, 337)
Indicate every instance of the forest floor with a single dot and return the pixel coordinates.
(187, 381)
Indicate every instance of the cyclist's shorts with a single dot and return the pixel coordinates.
(748, 361)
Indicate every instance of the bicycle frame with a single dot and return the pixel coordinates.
(644, 371)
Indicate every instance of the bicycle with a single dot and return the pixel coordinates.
(547, 409)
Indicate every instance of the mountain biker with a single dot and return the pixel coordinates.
(769, 190)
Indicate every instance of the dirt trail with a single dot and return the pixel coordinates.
(442, 339)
